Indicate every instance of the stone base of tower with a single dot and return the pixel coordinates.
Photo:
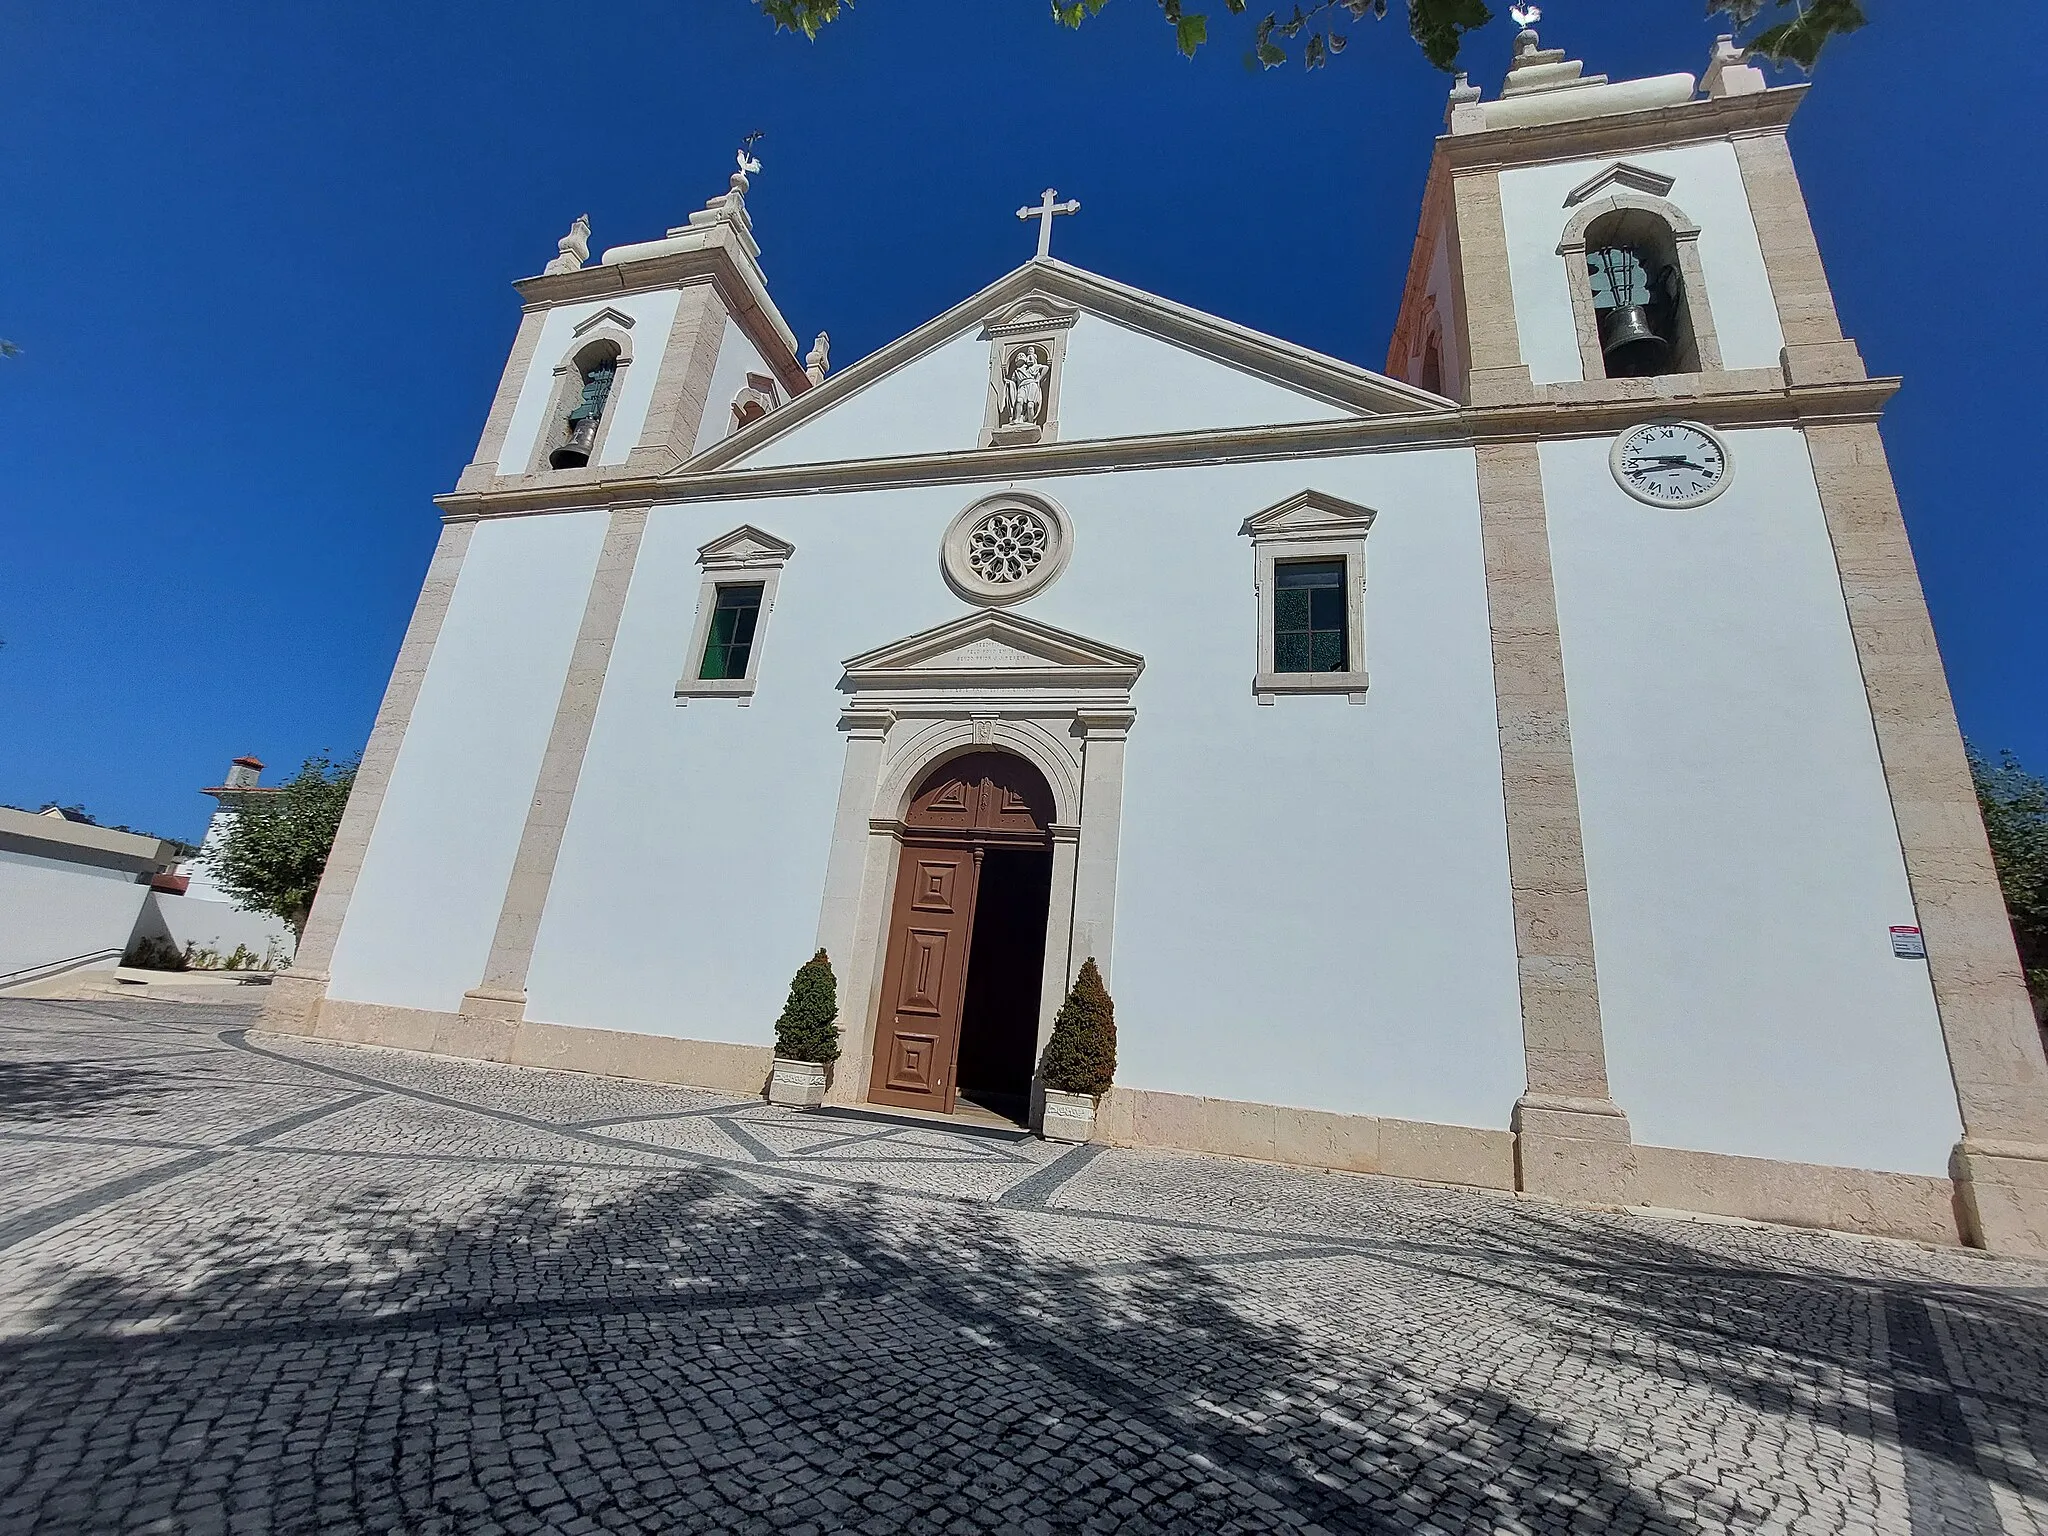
(1574, 1149)
(2002, 1196)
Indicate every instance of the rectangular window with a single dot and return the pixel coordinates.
(1308, 616)
(730, 638)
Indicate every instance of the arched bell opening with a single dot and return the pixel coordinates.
(965, 957)
(597, 367)
(1639, 296)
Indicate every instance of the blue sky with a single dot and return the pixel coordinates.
(257, 256)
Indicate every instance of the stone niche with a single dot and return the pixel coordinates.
(1027, 353)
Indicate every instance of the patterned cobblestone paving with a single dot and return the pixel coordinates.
(258, 1284)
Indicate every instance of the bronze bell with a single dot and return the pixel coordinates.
(575, 453)
(1631, 345)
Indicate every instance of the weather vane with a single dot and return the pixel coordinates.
(1525, 15)
(749, 166)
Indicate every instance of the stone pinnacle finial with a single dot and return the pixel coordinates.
(820, 358)
(573, 249)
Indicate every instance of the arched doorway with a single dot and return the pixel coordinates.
(966, 940)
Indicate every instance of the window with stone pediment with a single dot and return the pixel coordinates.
(734, 599)
(1308, 567)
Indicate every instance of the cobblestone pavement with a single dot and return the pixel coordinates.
(264, 1284)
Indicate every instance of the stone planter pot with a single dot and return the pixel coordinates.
(798, 1084)
(1068, 1116)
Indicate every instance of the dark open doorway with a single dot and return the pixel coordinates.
(1005, 965)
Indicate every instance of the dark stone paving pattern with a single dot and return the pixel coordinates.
(257, 1284)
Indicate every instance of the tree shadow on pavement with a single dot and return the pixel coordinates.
(1955, 1377)
(64, 1090)
(687, 1353)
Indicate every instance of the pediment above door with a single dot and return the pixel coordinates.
(994, 651)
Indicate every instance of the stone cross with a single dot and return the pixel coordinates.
(1044, 213)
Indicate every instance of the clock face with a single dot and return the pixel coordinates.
(1670, 463)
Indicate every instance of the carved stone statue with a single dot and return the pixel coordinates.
(574, 247)
(1024, 388)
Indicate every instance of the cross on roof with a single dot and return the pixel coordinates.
(1044, 213)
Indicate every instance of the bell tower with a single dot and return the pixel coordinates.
(1582, 236)
(1619, 282)
(634, 363)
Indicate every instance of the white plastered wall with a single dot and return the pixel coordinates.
(1707, 186)
(737, 357)
(426, 904)
(1741, 853)
(217, 925)
(52, 910)
(653, 315)
(1116, 382)
(1312, 897)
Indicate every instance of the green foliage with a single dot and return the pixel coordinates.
(1799, 38)
(805, 16)
(1081, 1055)
(809, 1029)
(1791, 31)
(154, 953)
(2015, 806)
(273, 850)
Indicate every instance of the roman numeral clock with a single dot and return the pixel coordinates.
(1670, 463)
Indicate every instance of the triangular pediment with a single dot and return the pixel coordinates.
(745, 545)
(995, 649)
(1033, 313)
(1310, 513)
(1136, 366)
(1620, 174)
(605, 316)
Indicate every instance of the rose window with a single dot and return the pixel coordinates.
(1006, 546)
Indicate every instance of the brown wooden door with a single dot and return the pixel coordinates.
(919, 1032)
(983, 800)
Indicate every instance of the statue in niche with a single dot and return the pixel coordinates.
(1024, 387)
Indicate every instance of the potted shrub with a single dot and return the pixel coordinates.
(1079, 1059)
(806, 1036)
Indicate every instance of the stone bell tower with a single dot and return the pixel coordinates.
(634, 363)
(1596, 258)
(622, 369)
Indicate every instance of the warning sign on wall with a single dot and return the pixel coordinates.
(1907, 943)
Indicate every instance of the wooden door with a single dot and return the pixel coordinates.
(918, 1035)
(983, 800)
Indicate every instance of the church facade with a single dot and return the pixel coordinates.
(1528, 766)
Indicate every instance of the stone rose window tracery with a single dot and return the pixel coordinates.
(1005, 547)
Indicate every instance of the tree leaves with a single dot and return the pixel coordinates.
(1793, 31)
(808, 16)
(2015, 807)
(1800, 40)
(274, 848)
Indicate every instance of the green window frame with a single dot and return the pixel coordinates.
(1311, 627)
(729, 639)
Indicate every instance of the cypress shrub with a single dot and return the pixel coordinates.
(808, 1029)
(1081, 1055)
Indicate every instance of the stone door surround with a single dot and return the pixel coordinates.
(992, 679)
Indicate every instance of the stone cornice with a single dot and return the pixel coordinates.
(741, 291)
(1527, 421)
(1692, 122)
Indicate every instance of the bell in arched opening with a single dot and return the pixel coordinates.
(1637, 300)
(586, 414)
